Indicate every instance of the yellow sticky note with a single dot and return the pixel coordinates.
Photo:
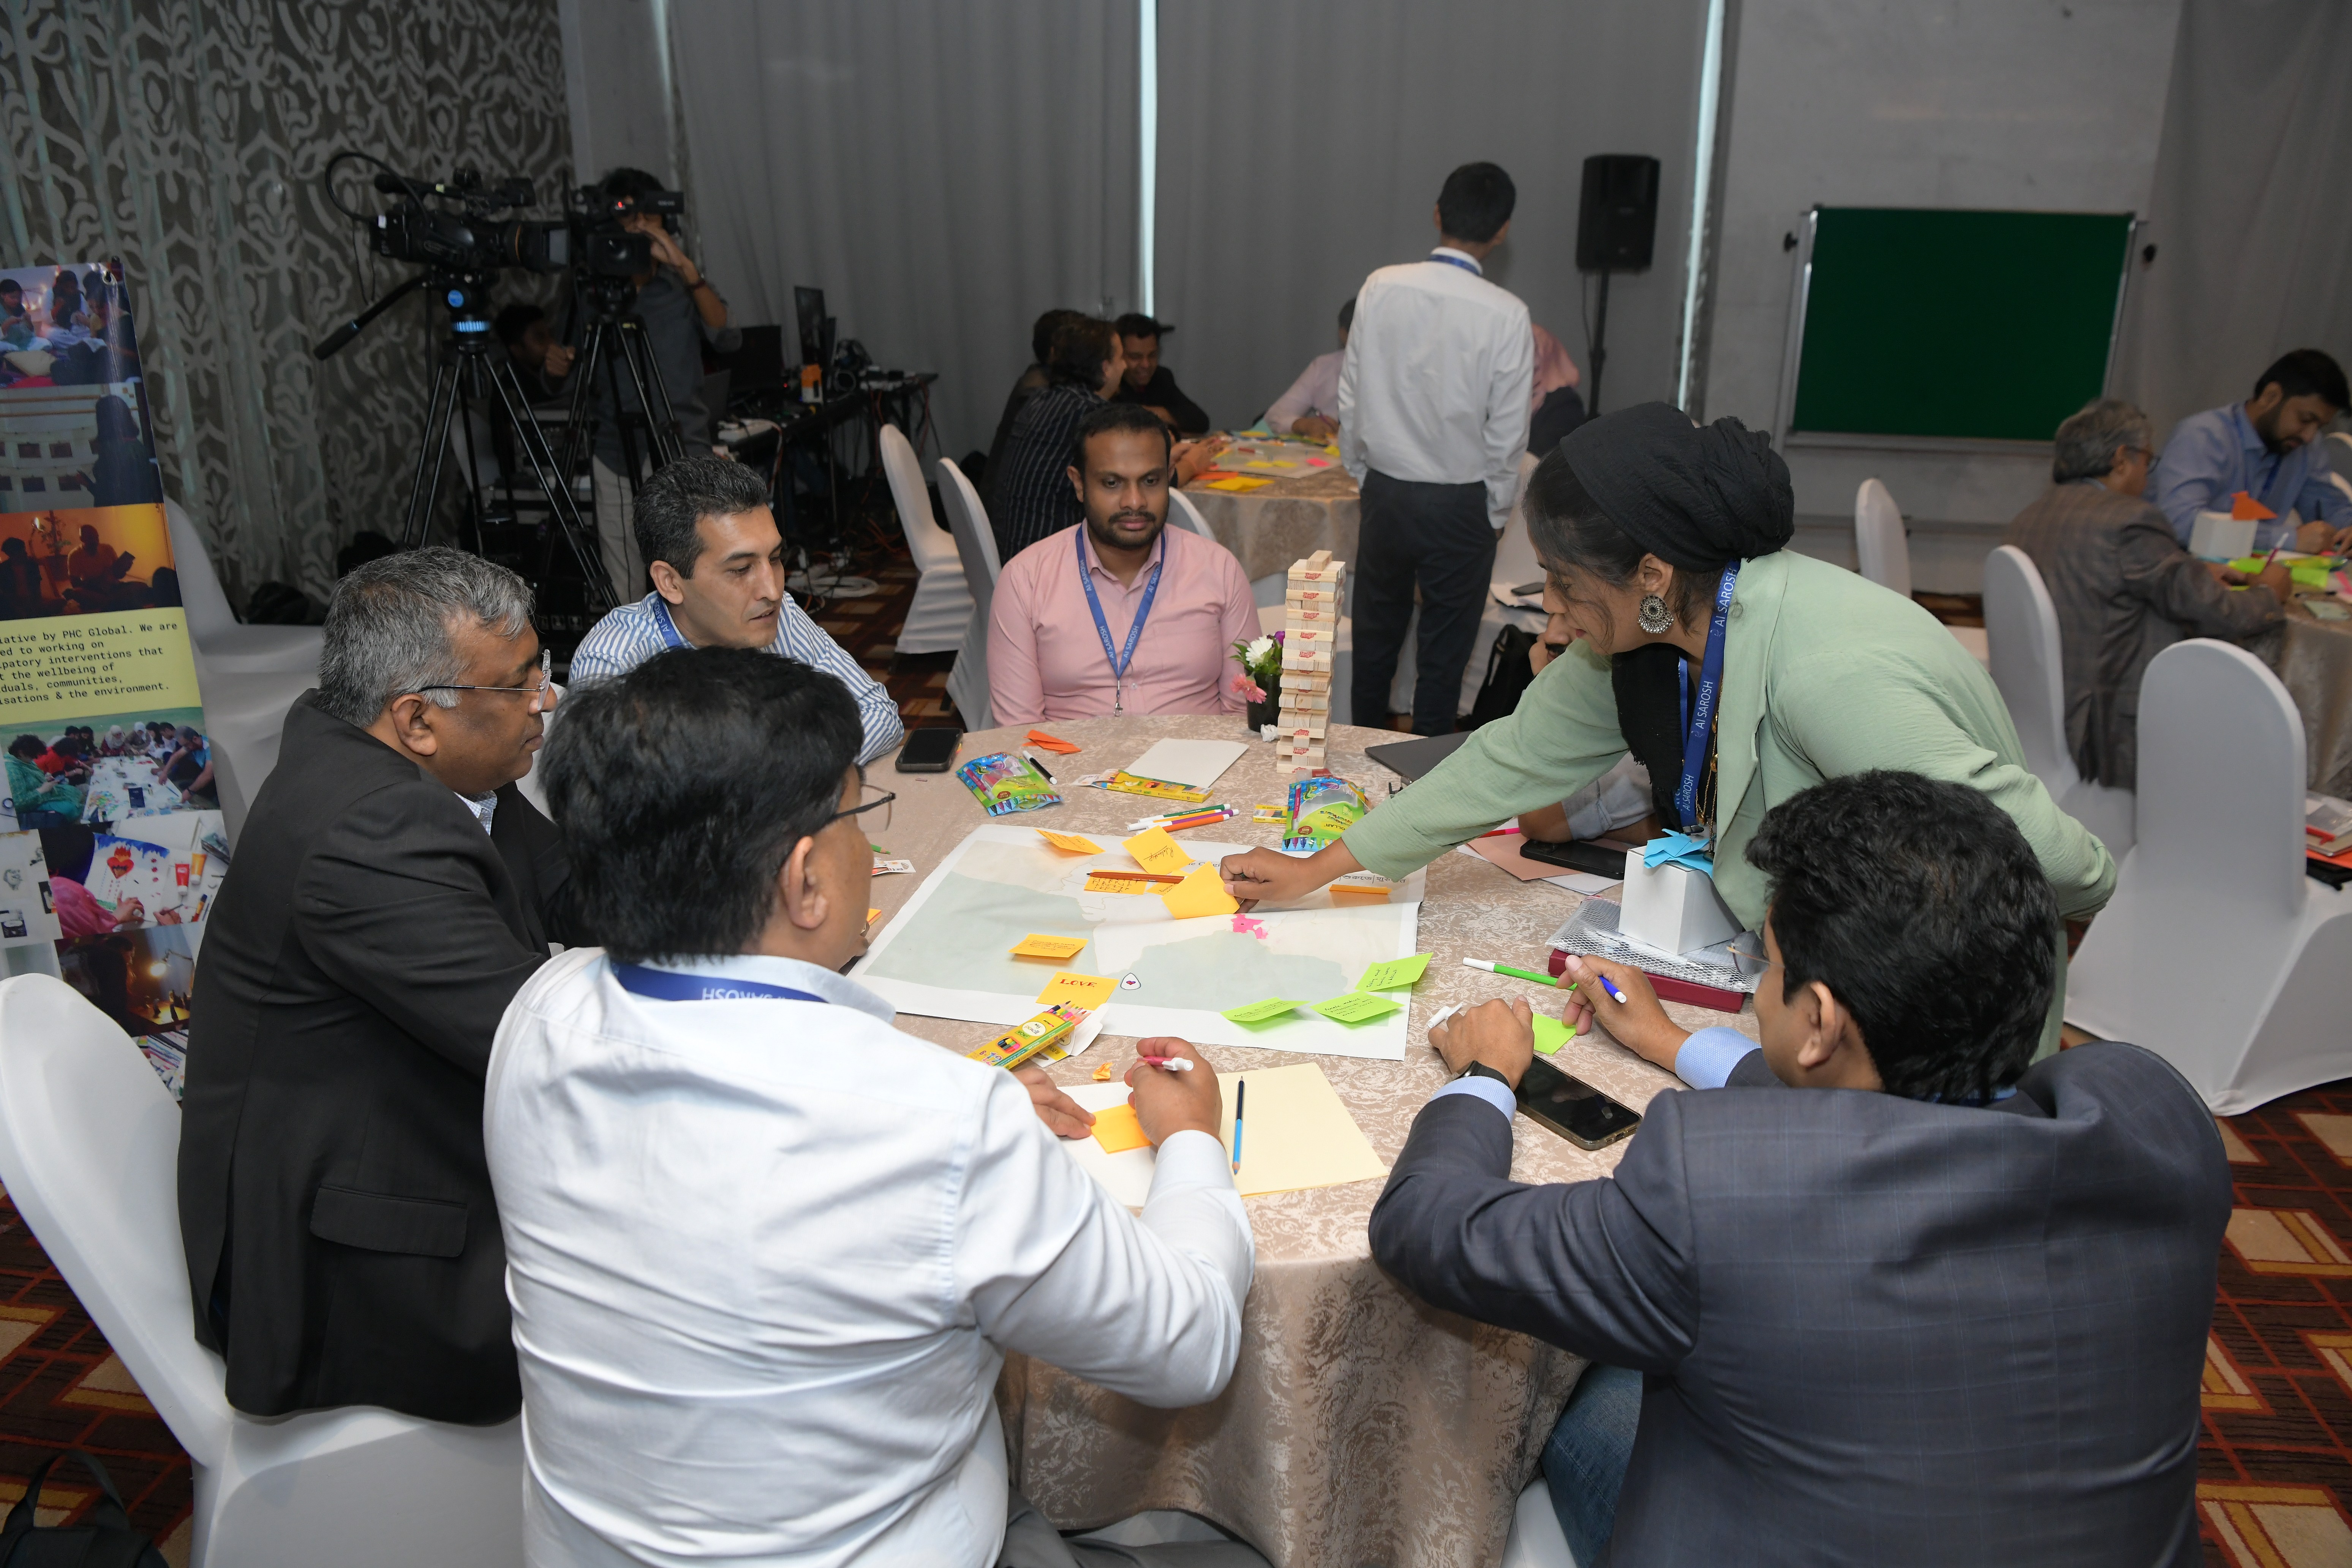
(1260, 1012)
(870, 914)
(1356, 1007)
(1087, 991)
(1550, 1035)
(1155, 851)
(1202, 893)
(1070, 842)
(1394, 974)
(1117, 1130)
(1054, 947)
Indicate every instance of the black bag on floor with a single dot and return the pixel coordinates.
(1507, 675)
(104, 1539)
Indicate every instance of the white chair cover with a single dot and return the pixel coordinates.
(2022, 630)
(941, 613)
(976, 544)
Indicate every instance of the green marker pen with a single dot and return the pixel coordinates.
(1492, 967)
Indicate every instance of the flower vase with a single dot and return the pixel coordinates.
(1266, 712)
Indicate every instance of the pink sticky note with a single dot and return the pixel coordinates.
(1246, 925)
(1318, 462)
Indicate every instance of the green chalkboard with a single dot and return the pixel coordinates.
(1984, 325)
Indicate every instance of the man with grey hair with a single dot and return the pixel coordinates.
(2123, 588)
(392, 892)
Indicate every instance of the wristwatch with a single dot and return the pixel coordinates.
(1480, 1069)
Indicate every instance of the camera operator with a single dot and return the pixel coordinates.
(542, 366)
(681, 313)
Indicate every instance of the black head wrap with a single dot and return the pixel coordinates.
(1694, 496)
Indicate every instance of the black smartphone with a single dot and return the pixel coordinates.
(928, 750)
(1576, 856)
(1573, 1108)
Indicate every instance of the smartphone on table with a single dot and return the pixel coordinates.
(928, 750)
(1573, 1108)
(1576, 856)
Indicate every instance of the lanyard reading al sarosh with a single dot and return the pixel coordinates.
(1698, 714)
(1119, 662)
(663, 986)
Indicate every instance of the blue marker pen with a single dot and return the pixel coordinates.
(1611, 986)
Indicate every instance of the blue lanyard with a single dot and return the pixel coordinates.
(669, 631)
(664, 986)
(1472, 267)
(1698, 717)
(1120, 661)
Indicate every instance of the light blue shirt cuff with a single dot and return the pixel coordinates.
(1497, 1095)
(1706, 1058)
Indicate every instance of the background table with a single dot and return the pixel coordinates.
(2313, 661)
(1289, 517)
(1362, 1425)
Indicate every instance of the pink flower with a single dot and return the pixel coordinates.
(1245, 687)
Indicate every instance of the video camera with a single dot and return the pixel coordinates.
(471, 239)
(603, 246)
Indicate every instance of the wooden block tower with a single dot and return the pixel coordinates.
(1310, 632)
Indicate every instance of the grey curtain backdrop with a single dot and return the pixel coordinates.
(2251, 215)
(945, 172)
(186, 136)
(1302, 145)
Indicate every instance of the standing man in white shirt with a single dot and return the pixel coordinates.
(765, 1252)
(1433, 417)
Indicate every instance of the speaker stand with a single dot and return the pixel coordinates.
(1599, 347)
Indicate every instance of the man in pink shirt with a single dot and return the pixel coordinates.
(1121, 614)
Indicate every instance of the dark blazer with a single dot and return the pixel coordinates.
(1162, 391)
(1875, 1330)
(333, 1194)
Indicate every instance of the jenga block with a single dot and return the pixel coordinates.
(1309, 663)
(1306, 701)
(1323, 616)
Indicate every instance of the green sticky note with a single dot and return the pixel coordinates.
(1259, 1012)
(1550, 1035)
(1356, 1007)
(1394, 974)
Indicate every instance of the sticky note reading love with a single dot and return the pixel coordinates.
(1259, 1012)
(1202, 893)
(1356, 1007)
(1395, 974)
(1117, 1130)
(1155, 851)
(1550, 1035)
(1087, 991)
(1070, 842)
(1054, 947)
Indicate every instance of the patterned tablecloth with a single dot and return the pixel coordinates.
(1361, 1427)
(1299, 509)
(2313, 661)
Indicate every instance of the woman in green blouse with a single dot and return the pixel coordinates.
(1663, 547)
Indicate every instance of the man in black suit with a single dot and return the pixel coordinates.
(1937, 1307)
(392, 892)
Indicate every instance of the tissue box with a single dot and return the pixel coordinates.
(2217, 536)
(1673, 909)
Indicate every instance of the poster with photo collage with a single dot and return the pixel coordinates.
(112, 842)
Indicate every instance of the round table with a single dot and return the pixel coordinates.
(1300, 508)
(2313, 661)
(1362, 1425)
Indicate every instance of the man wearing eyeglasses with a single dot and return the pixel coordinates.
(391, 892)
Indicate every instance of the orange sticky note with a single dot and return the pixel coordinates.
(1056, 948)
(870, 914)
(1051, 742)
(1102, 1073)
(1202, 893)
(1070, 842)
(1087, 991)
(1117, 1130)
(2245, 508)
(1155, 851)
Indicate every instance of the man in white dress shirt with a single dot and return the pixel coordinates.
(1434, 395)
(765, 1252)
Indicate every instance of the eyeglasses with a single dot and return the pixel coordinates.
(881, 825)
(1739, 946)
(541, 695)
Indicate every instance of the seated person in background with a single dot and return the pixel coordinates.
(96, 567)
(40, 797)
(66, 850)
(65, 760)
(1034, 380)
(20, 581)
(1149, 384)
(710, 545)
(190, 767)
(2268, 447)
(824, 1394)
(1881, 1293)
(1311, 406)
(1555, 407)
(392, 892)
(1028, 494)
(1121, 614)
(542, 365)
(2124, 587)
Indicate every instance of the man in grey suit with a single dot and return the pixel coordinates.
(1938, 1307)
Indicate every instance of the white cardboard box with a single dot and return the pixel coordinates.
(1673, 907)
(2217, 536)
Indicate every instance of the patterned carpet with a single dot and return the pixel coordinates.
(2275, 1465)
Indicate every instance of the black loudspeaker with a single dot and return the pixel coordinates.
(1617, 214)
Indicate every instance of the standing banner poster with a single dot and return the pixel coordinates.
(112, 840)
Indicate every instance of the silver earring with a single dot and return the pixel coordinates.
(1653, 614)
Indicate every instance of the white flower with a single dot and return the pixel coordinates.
(1260, 649)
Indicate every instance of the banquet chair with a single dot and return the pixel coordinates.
(941, 613)
(1515, 562)
(1885, 555)
(1536, 1540)
(224, 645)
(2023, 627)
(1183, 513)
(2340, 456)
(976, 544)
(89, 1143)
(2217, 952)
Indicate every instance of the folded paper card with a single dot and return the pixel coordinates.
(1356, 1007)
(1057, 948)
(1155, 851)
(1260, 1012)
(1051, 742)
(1202, 893)
(1081, 990)
(1394, 974)
(1117, 1130)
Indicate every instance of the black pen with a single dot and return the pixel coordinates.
(1031, 759)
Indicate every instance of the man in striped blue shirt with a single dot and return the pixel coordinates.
(710, 545)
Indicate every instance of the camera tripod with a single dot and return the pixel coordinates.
(615, 346)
